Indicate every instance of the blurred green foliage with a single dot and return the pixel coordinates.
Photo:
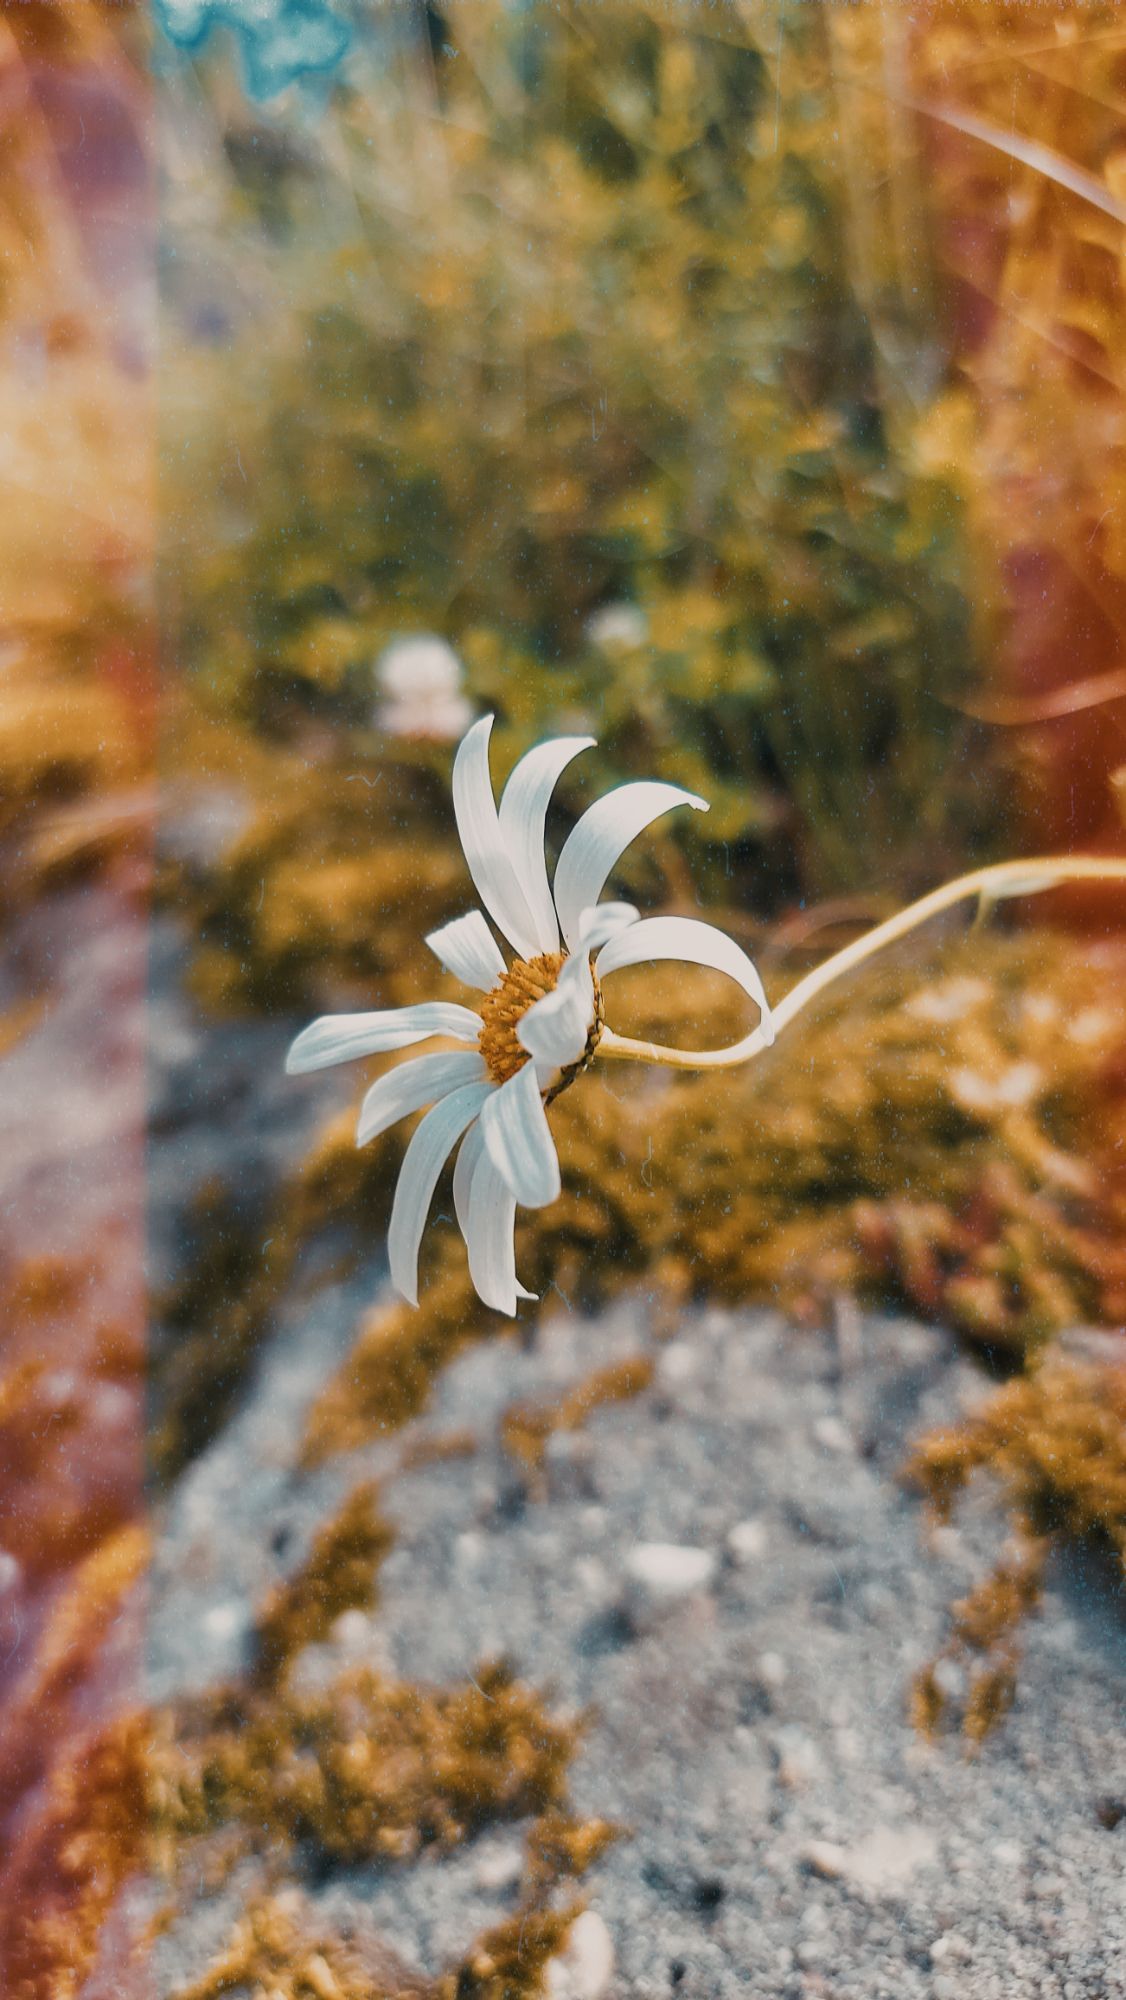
(583, 323)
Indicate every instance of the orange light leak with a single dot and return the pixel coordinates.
(75, 568)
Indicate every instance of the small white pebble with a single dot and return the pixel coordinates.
(664, 1571)
(469, 1548)
(499, 1869)
(798, 1760)
(949, 1678)
(677, 1363)
(811, 1951)
(831, 1434)
(825, 1858)
(351, 1630)
(224, 1620)
(1009, 1853)
(715, 1322)
(950, 1945)
(747, 1540)
(889, 1855)
(772, 1669)
(584, 1968)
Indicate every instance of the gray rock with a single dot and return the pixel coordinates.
(752, 1735)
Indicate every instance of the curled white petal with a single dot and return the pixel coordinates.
(602, 922)
(475, 810)
(414, 1084)
(555, 1029)
(600, 837)
(431, 1145)
(523, 812)
(697, 943)
(468, 949)
(486, 1213)
(518, 1140)
(342, 1037)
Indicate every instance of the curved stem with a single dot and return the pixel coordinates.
(991, 885)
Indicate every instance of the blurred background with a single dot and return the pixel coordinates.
(742, 386)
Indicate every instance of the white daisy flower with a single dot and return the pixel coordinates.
(615, 626)
(540, 1021)
(420, 681)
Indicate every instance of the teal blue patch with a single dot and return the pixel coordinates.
(279, 40)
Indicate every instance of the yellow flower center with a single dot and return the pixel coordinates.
(526, 981)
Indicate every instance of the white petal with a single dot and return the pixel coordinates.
(554, 1030)
(431, 1145)
(518, 1140)
(472, 1146)
(341, 1037)
(468, 949)
(523, 811)
(602, 834)
(486, 1213)
(599, 924)
(698, 944)
(476, 813)
(412, 1085)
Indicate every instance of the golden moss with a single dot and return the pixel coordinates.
(560, 1848)
(320, 883)
(525, 1427)
(281, 1949)
(990, 1089)
(507, 1962)
(366, 1769)
(439, 1447)
(339, 1574)
(1055, 1441)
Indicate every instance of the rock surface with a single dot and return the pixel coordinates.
(788, 1834)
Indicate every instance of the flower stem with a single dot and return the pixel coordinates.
(989, 885)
